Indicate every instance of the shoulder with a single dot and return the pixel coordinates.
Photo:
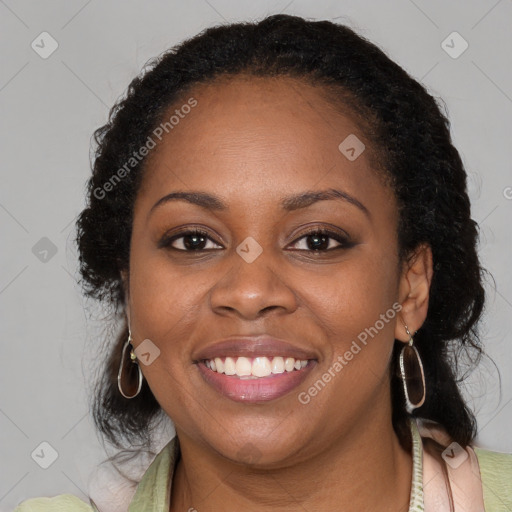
(496, 473)
(153, 488)
(495, 464)
(61, 503)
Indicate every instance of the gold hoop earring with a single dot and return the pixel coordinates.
(126, 373)
(413, 376)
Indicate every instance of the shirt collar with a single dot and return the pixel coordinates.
(416, 502)
(153, 493)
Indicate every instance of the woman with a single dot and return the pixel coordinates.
(278, 213)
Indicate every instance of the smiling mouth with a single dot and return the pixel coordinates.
(254, 380)
(254, 367)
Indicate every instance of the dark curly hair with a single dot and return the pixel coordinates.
(412, 137)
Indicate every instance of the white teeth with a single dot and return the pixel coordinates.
(219, 364)
(261, 367)
(289, 363)
(278, 365)
(244, 368)
(229, 366)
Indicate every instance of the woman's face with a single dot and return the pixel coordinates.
(268, 152)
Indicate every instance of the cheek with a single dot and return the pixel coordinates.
(354, 294)
(165, 309)
(354, 307)
(165, 304)
(160, 291)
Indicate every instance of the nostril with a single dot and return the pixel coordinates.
(268, 308)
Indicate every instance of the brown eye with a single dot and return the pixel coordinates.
(318, 242)
(192, 240)
(321, 240)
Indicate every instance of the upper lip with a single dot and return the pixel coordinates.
(252, 346)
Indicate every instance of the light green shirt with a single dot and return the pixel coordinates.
(153, 493)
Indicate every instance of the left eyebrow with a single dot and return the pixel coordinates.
(305, 199)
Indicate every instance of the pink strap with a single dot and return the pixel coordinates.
(454, 468)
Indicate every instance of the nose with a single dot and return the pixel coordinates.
(251, 290)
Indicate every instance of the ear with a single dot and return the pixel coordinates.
(414, 291)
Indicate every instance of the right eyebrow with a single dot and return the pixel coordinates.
(202, 199)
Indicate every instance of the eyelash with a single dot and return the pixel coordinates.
(344, 241)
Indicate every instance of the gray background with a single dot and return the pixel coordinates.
(49, 109)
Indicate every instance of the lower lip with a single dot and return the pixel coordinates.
(262, 389)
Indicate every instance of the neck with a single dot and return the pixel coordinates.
(367, 469)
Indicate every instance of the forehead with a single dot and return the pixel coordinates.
(255, 137)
